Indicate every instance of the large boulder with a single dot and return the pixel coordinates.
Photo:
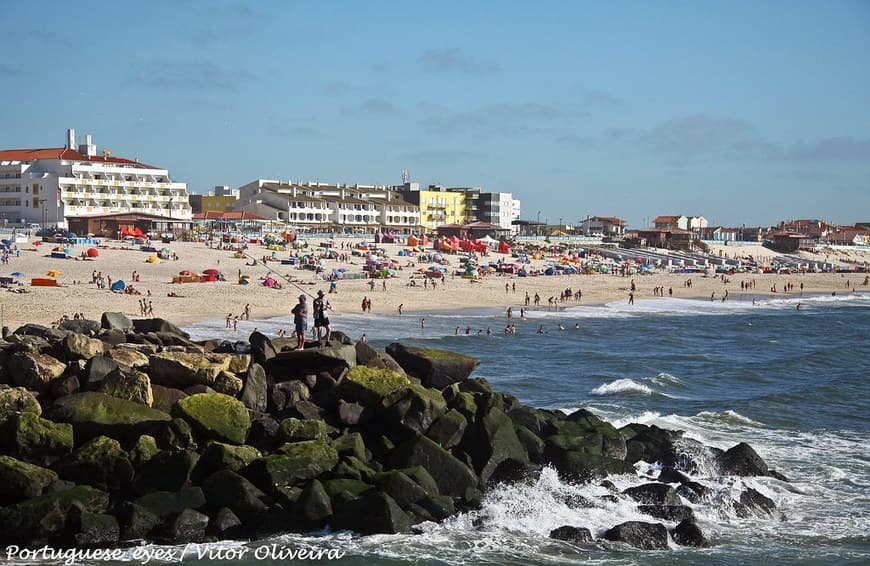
(368, 356)
(447, 430)
(647, 536)
(373, 512)
(452, 476)
(228, 489)
(414, 407)
(17, 400)
(34, 371)
(96, 369)
(650, 444)
(33, 439)
(255, 393)
(571, 534)
(262, 349)
(654, 494)
(21, 480)
(295, 430)
(45, 516)
(168, 470)
(314, 504)
(215, 416)
(330, 359)
(742, 460)
(94, 414)
(187, 526)
(101, 463)
(370, 386)
(184, 369)
(80, 347)
(687, 533)
(158, 326)
(166, 503)
(165, 397)
(493, 445)
(293, 462)
(130, 385)
(128, 357)
(583, 431)
(218, 456)
(81, 326)
(116, 320)
(92, 529)
(433, 367)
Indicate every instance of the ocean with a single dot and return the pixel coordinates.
(791, 382)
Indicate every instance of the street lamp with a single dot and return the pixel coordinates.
(538, 224)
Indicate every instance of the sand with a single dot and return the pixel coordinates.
(213, 301)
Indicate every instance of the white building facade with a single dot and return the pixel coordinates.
(327, 207)
(48, 186)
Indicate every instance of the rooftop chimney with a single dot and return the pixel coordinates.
(71, 139)
(88, 148)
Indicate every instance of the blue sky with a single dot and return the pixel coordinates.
(744, 112)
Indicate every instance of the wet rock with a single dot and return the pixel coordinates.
(135, 521)
(168, 470)
(45, 516)
(447, 430)
(371, 513)
(414, 407)
(225, 524)
(314, 505)
(370, 387)
(687, 533)
(753, 502)
(296, 461)
(93, 529)
(742, 460)
(262, 349)
(452, 476)
(673, 513)
(218, 456)
(653, 494)
(166, 503)
(647, 536)
(228, 489)
(176, 434)
(568, 533)
(187, 526)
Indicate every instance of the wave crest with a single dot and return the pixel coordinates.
(623, 385)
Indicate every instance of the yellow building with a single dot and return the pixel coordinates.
(217, 203)
(438, 208)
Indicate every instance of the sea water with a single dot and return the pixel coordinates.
(791, 382)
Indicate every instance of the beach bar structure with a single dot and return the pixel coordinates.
(473, 231)
(115, 225)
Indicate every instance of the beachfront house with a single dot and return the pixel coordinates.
(605, 226)
(693, 223)
(50, 186)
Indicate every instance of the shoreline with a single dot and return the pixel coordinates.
(200, 302)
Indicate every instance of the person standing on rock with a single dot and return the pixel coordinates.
(321, 321)
(300, 319)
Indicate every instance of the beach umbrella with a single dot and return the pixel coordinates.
(17, 274)
(153, 259)
(211, 272)
(54, 273)
(93, 252)
(118, 285)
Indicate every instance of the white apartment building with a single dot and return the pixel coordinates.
(48, 186)
(327, 207)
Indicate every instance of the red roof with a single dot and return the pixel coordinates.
(227, 215)
(611, 219)
(63, 153)
(660, 219)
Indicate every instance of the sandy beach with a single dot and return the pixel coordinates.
(213, 301)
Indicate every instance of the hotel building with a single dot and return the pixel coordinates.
(50, 186)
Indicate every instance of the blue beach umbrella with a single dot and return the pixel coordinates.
(17, 274)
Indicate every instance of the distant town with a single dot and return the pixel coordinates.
(75, 188)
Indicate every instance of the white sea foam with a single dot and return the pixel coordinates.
(622, 386)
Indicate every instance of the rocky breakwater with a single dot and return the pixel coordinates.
(120, 430)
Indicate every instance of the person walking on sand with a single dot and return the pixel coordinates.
(300, 320)
(630, 298)
(247, 312)
(400, 308)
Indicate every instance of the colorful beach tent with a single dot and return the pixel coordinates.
(118, 285)
(93, 252)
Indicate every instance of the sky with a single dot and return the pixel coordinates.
(745, 112)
